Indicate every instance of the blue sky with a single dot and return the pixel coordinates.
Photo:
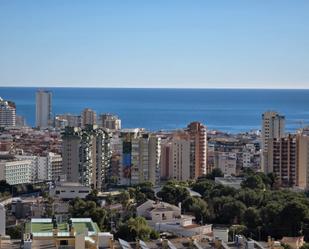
(155, 43)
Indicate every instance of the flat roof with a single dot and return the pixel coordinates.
(44, 227)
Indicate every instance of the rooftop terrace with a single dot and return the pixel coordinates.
(44, 227)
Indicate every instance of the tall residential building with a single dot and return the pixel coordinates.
(140, 157)
(54, 165)
(273, 126)
(7, 113)
(154, 149)
(89, 117)
(71, 140)
(43, 109)
(109, 121)
(198, 150)
(86, 155)
(63, 120)
(289, 159)
(175, 158)
(146, 152)
(303, 158)
(282, 159)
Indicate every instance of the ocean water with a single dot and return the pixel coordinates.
(155, 109)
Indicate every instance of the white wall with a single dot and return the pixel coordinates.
(42, 168)
(18, 172)
(70, 192)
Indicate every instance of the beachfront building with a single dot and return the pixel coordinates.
(7, 113)
(63, 120)
(89, 117)
(43, 109)
(109, 121)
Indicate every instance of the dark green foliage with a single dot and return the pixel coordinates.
(173, 193)
(251, 198)
(14, 232)
(89, 209)
(136, 228)
(253, 182)
(198, 207)
(216, 172)
(251, 218)
(259, 208)
(203, 187)
(232, 212)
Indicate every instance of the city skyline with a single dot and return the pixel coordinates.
(155, 44)
(154, 124)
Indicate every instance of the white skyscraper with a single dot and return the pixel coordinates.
(273, 127)
(43, 109)
(7, 113)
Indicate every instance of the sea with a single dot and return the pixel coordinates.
(228, 110)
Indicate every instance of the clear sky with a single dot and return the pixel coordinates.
(155, 43)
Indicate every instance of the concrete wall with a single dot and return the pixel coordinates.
(2, 220)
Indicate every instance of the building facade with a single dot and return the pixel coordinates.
(63, 120)
(175, 159)
(198, 150)
(43, 109)
(283, 159)
(273, 126)
(15, 171)
(89, 117)
(140, 157)
(86, 155)
(7, 113)
(109, 121)
(45, 167)
(303, 158)
(226, 162)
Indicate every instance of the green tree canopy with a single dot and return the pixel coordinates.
(253, 182)
(136, 228)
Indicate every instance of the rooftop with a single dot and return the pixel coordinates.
(44, 227)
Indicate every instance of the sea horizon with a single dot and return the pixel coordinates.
(228, 110)
(143, 87)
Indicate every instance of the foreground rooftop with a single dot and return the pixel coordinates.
(44, 227)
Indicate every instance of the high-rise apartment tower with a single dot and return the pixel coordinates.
(43, 109)
(273, 126)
